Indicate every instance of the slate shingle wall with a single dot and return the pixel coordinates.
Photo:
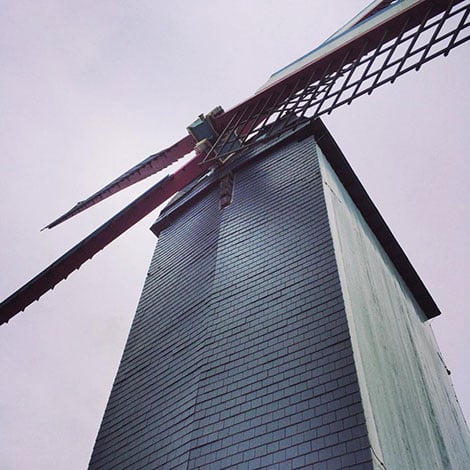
(240, 356)
(151, 405)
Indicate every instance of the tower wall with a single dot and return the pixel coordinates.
(240, 355)
(281, 331)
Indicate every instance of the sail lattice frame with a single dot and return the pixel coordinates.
(376, 58)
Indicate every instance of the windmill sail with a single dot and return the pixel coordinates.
(385, 41)
(388, 41)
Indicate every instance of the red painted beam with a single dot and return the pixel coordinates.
(144, 169)
(100, 238)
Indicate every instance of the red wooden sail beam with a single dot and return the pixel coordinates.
(144, 169)
(100, 238)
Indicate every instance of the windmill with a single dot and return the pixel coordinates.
(327, 83)
(385, 41)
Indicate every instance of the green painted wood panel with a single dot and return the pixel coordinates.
(413, 417)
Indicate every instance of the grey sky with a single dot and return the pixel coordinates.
(88, 89)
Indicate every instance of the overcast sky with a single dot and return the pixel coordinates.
(90, 88)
